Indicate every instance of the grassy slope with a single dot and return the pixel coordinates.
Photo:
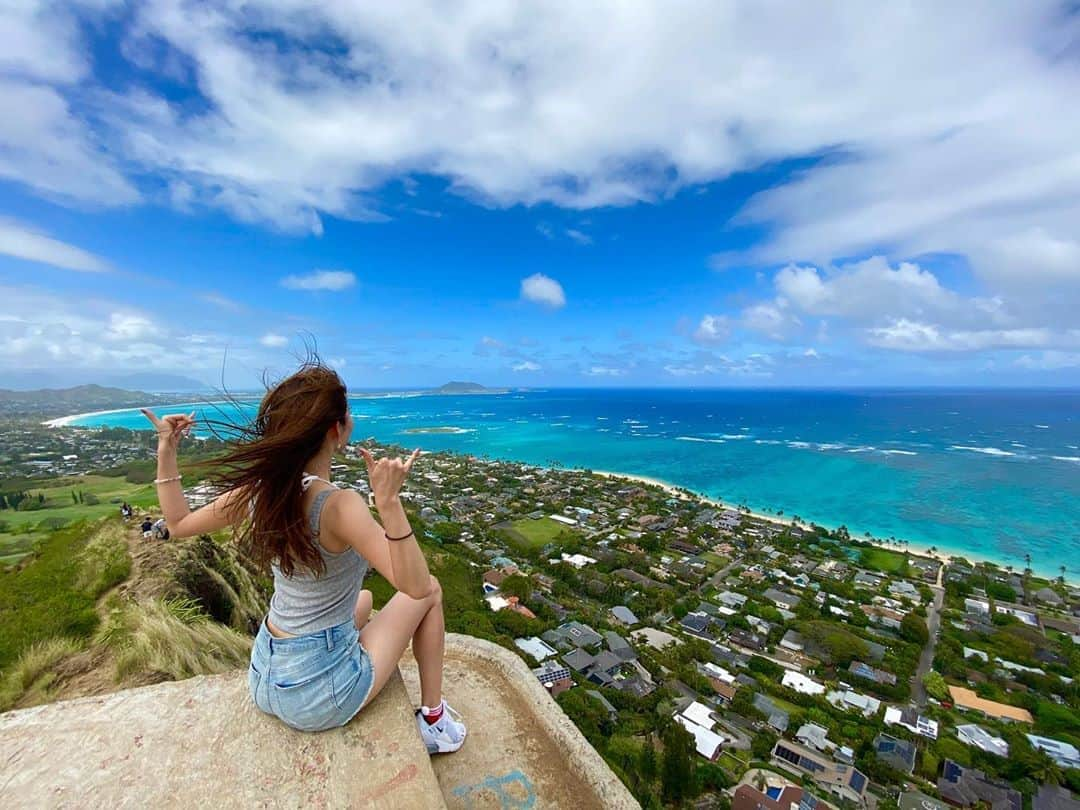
(54, 595)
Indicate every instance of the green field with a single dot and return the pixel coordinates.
(22, 530)
(535, 534)
(880, 559)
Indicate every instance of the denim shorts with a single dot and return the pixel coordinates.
(311, 682)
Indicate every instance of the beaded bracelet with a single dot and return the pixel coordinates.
(166, 480)
(395, 539)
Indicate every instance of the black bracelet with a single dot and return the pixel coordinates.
(403, 537)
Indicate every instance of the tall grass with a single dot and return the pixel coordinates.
(104, 560)
(173, 638)
(31, 674)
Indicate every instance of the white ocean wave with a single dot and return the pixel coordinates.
(988, 451)
(699, 439)
(1074, 459)
(899, 452)
(866, 448)
(734, 436)
(1043, 427)
(767, 441)
(799, 445)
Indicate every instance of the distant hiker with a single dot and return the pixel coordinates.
(160, 529)
(312, 665)
(125, 511)
(147, 528)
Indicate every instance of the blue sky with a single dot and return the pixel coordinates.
(722, 194)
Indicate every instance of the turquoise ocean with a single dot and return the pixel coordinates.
(988, 474)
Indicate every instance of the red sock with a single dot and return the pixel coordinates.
(432, 715)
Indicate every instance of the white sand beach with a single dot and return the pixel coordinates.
(678, 492)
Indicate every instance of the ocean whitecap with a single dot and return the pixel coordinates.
(988, 451)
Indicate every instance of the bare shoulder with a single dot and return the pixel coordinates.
(345, 505)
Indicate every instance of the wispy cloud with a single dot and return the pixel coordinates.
(320, 280)
(31, 245)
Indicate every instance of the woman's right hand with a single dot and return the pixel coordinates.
(386, 475)
(170, 429)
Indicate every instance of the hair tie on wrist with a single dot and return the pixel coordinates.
(395, 539)
(166, 480)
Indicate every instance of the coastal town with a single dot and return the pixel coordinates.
(718, 658)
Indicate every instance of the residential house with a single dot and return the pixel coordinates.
(896, 753)
(573, 634)
(698, 720)
(1064, 754)
(910, 719)
(814, 736)
(1054, 797)
(979, 737)
(780, 797)
(965, 787)
(844, 781)
(965, 698)
(697, 624)
(780, 599)
(621, 614)
(554, 676)
(793, 641)
(868, 580)
(535, 647)
(776, 717)
(872, 674)
(802, 684)
(850, 700)
(619, 646)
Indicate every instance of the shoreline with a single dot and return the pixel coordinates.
(943, 555)
(676, 491)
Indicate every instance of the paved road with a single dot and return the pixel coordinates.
(933, 622)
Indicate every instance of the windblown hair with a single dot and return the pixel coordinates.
(266, 459)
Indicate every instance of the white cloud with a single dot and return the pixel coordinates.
(1049, 361)
(126, 326)
(320, 280)
(25, 243)
(712, 329)
(580, 237)
(606, 371)
(516, 103)
(771, 320)
(222, 302)
(914, 336)
(273, 341)
(541, 289)
(526, 365)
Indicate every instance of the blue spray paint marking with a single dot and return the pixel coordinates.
(497, 785)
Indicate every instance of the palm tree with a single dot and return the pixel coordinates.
(1061, 579)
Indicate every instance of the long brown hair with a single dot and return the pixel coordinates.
(266, 459)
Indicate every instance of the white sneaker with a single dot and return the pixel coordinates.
(444, 736)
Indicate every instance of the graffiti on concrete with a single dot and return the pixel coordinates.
(513, 791)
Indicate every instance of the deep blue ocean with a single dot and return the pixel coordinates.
(989, 474)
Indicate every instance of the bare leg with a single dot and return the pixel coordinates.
(362, 611)
(405, 619)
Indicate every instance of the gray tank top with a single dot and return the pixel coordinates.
(308, 603)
